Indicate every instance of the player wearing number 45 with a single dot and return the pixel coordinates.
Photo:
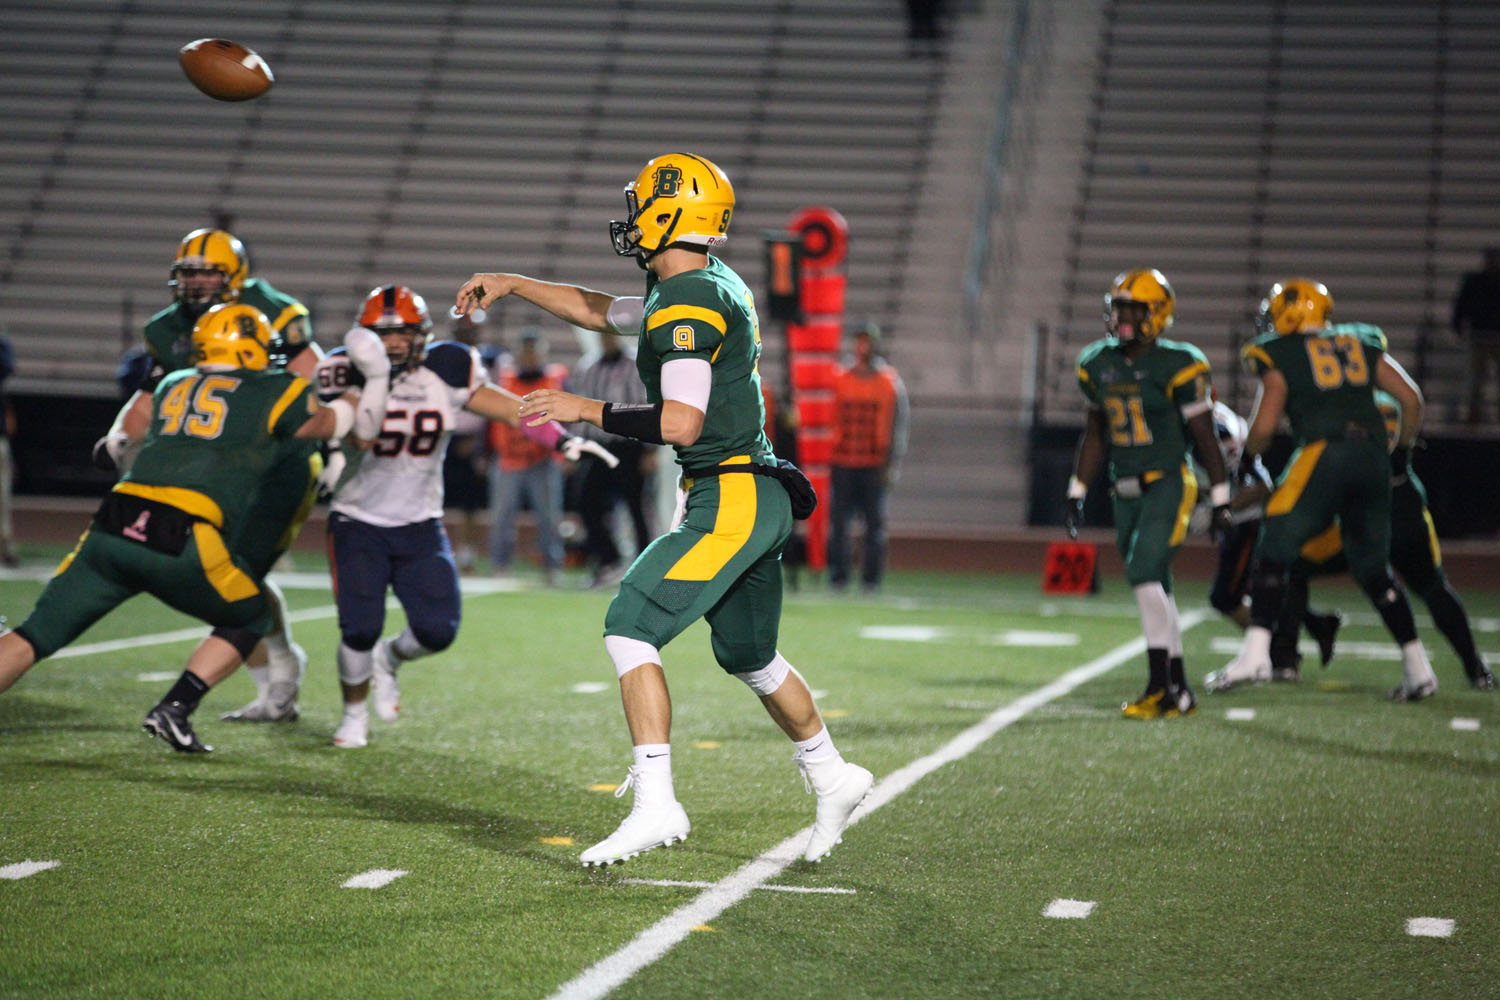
(1323, 378)
(1149, 400)
(386, 523)
(699, 345)
(214, 432)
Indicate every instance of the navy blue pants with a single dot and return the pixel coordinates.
(415, 560)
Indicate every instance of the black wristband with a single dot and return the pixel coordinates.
(641, 421)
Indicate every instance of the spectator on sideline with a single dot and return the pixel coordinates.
(1476, 318)
(465, 482)
(7, 431)
(523, 470)
(870, 421)
(596, 488)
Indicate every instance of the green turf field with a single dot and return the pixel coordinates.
(1224, 856)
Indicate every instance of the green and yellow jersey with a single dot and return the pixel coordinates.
(1330, 378)
(215, 435)
(1146, 402)
(169, 334)
(708, 313)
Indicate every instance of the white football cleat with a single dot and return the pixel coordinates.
(841, 787)
(656, 820)
(353, 732)
(385, 693)
(1236, 674)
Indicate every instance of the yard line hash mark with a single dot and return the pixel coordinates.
(599, 979)
(1069, 909)
(1429, 927)
(375, 878)
(25, 869)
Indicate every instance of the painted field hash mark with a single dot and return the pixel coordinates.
(25, 869)
(1465, 725)
(375, 878)
(1069, 909)
(1429, 927)
(1240, 714)
(591, 687)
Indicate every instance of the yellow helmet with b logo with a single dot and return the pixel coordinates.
(232, 335)
(211, 266)
(676, 199)
(1296, 305)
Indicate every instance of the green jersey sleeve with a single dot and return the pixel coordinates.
(691, 324)
(293, 408)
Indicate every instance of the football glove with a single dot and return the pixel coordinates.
(367, 352)
(1073, 516)
(574, 447)
(333, 471)
(109, 451)
(1400, 464)
(1220, 523)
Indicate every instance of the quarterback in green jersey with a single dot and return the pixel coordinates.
(215, 430)
(699, 345)
(1323, 378)
(212, 267)
(1150, 400)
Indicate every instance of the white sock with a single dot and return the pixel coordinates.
(1415, 668)
(654, 758)
(406, 647)
(1257, 645)
(1156, 615)
(817, 749)
(1174, 648)
(262, 678)
(356, 710)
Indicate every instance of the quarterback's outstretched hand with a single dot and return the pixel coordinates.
(367, 352)
(483, 290)
(574, 447)
(1073, 516)
(333, 471)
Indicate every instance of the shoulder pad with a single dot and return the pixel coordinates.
(451, 361)
(1092, 351)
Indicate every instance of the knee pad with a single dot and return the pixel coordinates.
(769, 678)
(434, 640)
(629, 653)
(242, 639)
(355, 665)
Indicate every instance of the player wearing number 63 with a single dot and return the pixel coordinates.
(1149, 400)
(1323, 378)
(386, 523)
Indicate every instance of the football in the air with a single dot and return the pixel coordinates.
(225, 70)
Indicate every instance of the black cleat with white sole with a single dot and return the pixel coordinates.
(169, 722)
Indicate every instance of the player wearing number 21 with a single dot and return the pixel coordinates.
(386, 520)
(1323, 378)
(1150, 400)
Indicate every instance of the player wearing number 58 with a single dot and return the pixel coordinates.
(386, 521)
(1150, 399)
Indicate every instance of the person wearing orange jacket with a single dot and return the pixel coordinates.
(523, 468)
(870, 420)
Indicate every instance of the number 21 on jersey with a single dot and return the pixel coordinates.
(1127, 421)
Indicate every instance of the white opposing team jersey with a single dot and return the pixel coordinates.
(399, 480)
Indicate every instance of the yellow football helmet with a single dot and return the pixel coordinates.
(210, 251)
(676, 198)
(1296, 305)
(1138, 305)
(232, 335)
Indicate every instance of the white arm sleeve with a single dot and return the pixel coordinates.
(625, 315)
(687, 380)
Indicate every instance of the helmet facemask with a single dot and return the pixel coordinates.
(203, 255)
(1129, 321)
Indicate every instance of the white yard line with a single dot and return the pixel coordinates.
(655, 941)
(26, 869)
(673, 883)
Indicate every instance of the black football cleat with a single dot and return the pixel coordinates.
(169, 722)
(1480, 678)
(1324, 629)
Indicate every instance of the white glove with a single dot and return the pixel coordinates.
(333, 471)
(367, 352)
(109, 451)
(574, 447)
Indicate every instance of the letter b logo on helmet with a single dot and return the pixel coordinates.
(676, 199)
